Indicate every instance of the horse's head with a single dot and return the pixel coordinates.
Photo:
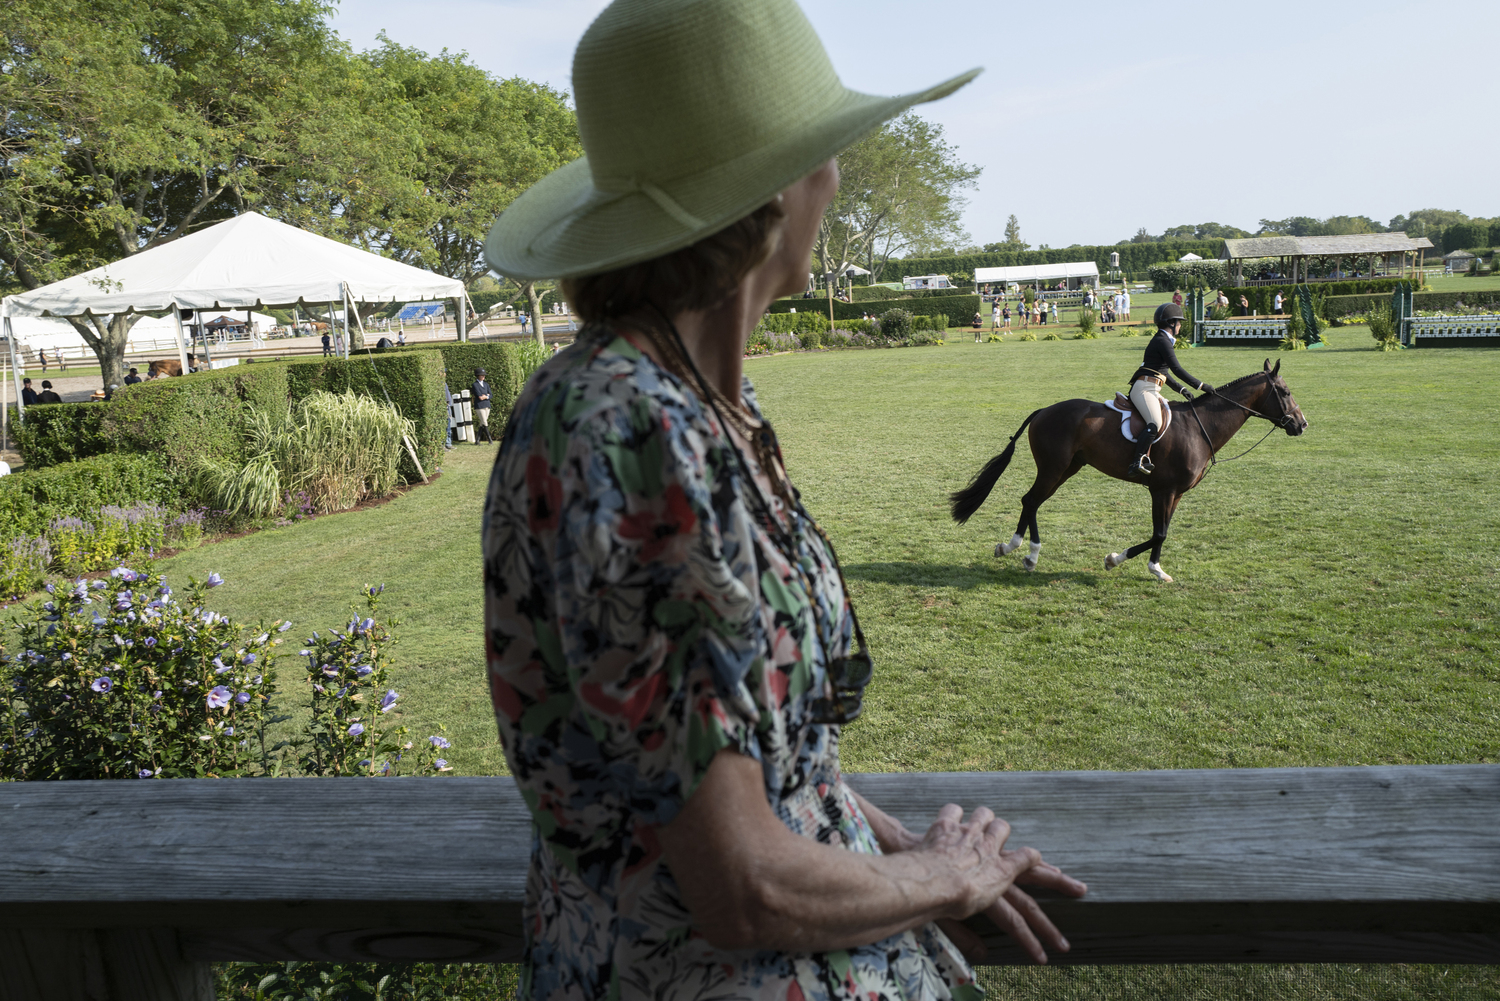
(1278, 404)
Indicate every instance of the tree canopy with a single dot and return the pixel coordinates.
(125, 124)
(899, 191)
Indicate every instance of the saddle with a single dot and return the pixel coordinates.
(1132, 424)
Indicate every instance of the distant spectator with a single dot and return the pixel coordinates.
(48, 396)
(1005, 317)
(480, 392)
(1278, 302)
(28, 395)
(327, 344)
(132, 378)
(1124, 304)
(1177, 297)
(109, 391)
(523, 318)
(1244, 306)
(42, 357)
(401, 338)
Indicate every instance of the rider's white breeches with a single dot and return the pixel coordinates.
(1146, 395)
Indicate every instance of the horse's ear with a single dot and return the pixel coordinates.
(1267, 367)
(1276, 369)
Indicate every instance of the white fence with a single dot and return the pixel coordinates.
(1441, 328)
(1254, 328)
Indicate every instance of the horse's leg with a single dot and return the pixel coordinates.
(1163, 503)
(1049, 476)
(1006, 548)
(1163, 506)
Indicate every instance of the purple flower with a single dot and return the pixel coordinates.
(441, 743)
(214, 580)
(98, 585)
(283, 627)
(151, 641)
(219, 667)
(156, 695)
(319, 689)
(219, 697)
(262, 638)
(356, 729)
(144, 773)
(51, 589)
(363, 670)
(102, 685)
(367, 625)
(229, 731)
(249, 658)
(242, 698)
(304, 653)
(391, 696)
(330, 671)
(440, 764)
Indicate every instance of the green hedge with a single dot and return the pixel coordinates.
(30, 499)
(507, 365)
(1133, 257)
(869, 293)
(1359, 286)
(962, 307)
(413, 380)
(60, 432)
(1340, 306)
(177, 418)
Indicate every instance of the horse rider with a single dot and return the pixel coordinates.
(1157, 367)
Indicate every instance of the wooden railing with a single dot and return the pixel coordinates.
(137, 885)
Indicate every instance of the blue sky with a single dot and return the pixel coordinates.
(1093, 119)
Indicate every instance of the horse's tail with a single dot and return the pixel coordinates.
(967, 501)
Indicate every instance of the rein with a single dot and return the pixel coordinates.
(1213, 460)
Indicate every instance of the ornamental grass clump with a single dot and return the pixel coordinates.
(1383, 328)
(1086, 321)
(337, 450)
(119, 678)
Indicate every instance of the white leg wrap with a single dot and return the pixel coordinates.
(1113, 560)
(1006, 548)
(1029, 562)
(1160, 574)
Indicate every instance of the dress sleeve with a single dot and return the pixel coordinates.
(657, 598)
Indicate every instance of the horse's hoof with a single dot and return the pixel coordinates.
(1006, 548)
(1028, 564)
(999, 550)
(1113, 560)
(1159, 573)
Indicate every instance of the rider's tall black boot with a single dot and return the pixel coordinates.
(1142, 465)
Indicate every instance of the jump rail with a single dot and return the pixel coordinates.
(1450, 328)
(1240, 329)
(127, 889)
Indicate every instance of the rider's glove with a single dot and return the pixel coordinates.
(1187, 394)
(1205, 387)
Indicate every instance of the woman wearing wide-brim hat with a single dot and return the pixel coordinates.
(670, 643)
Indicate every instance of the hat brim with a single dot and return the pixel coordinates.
(565, 227)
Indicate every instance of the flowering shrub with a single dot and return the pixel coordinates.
(117, 533)
(23, 564)
(346, 675)
(117, 678)
(121, 678)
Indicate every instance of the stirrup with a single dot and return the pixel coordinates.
(1143, 465)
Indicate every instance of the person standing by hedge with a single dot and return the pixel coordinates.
(28, 395)
(480, 394)
(327, 344)
(133, 378)
(48, 396)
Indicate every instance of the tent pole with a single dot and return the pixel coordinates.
(15, 370)
(463, 317)
(181, 341)
(203, 330)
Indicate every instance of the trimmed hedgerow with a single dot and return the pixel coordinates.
(1337, 307)
(188, 418)
(33, 498)
(411, 380)
(945, 305)
(507, 366)
(60, 432)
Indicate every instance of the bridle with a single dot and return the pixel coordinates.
(1284, 423)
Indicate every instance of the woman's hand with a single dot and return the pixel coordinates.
(968, 846)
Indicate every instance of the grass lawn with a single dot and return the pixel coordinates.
(1335, 599)
(1334, 603)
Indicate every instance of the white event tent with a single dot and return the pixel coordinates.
(1076, 274)
(248, 262)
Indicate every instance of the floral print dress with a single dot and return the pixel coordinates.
(638, 621)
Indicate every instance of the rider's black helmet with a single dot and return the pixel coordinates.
(1167, 312)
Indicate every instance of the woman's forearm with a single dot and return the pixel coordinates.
(749, 882)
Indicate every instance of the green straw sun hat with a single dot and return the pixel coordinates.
(693, 113)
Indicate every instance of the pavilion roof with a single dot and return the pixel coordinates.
(1322, 246)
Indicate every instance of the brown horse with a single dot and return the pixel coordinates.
(1072, 434)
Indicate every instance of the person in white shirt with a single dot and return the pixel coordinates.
(1278, 302)
(1125, 305)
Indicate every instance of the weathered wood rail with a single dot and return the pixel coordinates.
(126, 890)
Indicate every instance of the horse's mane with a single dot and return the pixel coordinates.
(1235, 382)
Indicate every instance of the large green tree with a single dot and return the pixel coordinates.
(899, 190)
(130, 123)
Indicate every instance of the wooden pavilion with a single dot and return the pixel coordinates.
(1296, 251)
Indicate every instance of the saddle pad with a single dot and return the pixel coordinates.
(1127, 412)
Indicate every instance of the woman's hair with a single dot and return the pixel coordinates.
(695, 277)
